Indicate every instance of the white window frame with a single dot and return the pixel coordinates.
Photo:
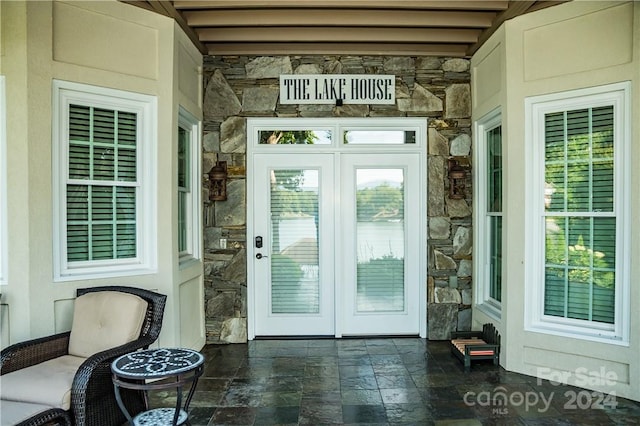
(193, 216)
(3, 184)
(64, 94)
(482, 270)
(618, 95)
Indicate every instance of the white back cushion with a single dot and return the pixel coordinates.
(103, 320)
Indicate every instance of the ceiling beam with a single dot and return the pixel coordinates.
(338, 17)
(377, 49)
(346, 4)
(337, 34)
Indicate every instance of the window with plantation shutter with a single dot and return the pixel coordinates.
(101, 187)
(101, 141)
(583, 146)
(3, 184)
(188, 182)
(489, 204)
(580, 221)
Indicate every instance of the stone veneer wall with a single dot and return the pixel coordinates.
(237, 87)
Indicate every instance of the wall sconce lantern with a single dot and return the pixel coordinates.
(457, 177)
(218, 181)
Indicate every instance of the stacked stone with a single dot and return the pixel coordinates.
(240, 87)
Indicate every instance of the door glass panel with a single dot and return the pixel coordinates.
(380, 240)
(294, 253)
(295, 137)
(379, 137)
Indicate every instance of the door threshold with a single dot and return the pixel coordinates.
(285, 337)
(352, 336)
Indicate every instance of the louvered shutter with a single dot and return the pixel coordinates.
(380, 240)
(295, 285)
(580, 220)
(101, 186)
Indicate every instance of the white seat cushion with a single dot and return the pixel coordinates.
(48, 383)
(104, 320)
(12, 412)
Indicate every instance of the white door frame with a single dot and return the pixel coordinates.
(336, 125)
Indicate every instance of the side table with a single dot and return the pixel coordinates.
(153, 369)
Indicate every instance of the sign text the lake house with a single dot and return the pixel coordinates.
(337, 89)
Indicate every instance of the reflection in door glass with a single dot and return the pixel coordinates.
(295, 137)
(379, 137)
(294, 235)
(380, 240)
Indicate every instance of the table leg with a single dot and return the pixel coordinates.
(176, 415)
(192, 390)
(123, 408)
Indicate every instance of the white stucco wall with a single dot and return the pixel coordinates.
(109, 44)
(571, 46)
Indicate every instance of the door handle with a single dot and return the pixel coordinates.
(260, 256)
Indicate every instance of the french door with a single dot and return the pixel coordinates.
(335, 244)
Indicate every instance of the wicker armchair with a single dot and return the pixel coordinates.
(92, 394)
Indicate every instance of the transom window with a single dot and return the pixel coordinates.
(326, 135)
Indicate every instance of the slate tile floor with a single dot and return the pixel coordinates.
(393, 381)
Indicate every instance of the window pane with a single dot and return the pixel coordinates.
(380, 240)
(554, 137)
(578, 134)
(102, 203)
(183, 157)
(77, 203)
(126, 165)
(555, 292)
(79, 142)
(125, 204)
(579, 160)
(182, 224)
(127, 126)
(103, 162)
(126, 240)
(102, 241)
(77, 237)
(554, 189)
(578, 188)
(79, 164)
(96, 138)
(79, 123)
(294, 234)
(494, 169)
(295, 137)
(104, 125)
(101, 218)
(495, 260)
(603, 298)
(379, 137)
(580, 268)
